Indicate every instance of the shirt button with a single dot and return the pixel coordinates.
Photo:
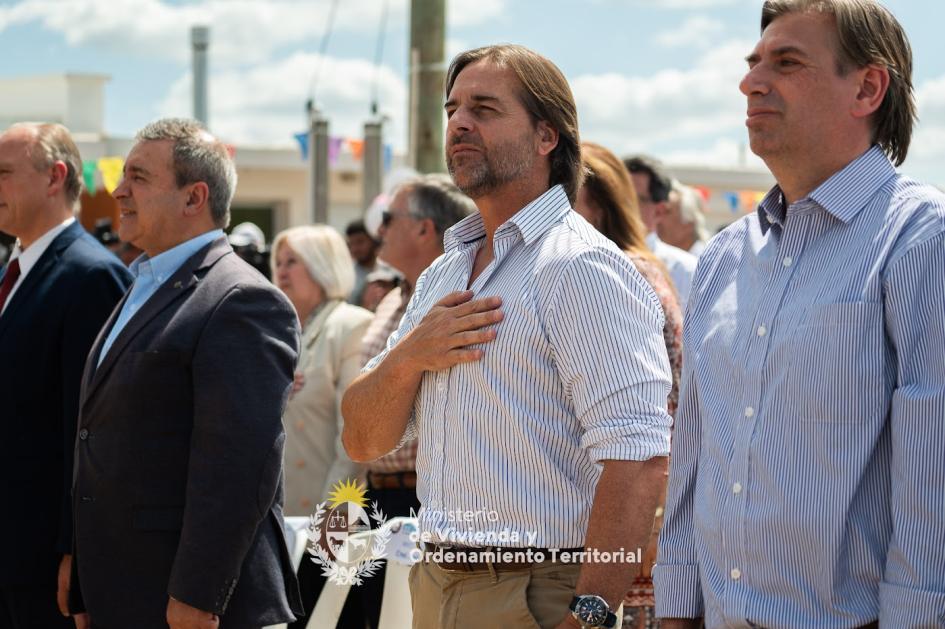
(737, 488)
(788, 261)
(762, 330)
(83, 434)
(749, 411)
(736, 574)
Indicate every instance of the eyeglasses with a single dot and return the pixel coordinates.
(388, 216)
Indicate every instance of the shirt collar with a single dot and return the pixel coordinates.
(531, 221)
(30, 256)
(843, 195)
(163, 265)
(653, 241)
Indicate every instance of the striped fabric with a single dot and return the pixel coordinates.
(510, 445)
(808, 477)
(386, 320)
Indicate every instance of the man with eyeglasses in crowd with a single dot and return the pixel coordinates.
(411, 236)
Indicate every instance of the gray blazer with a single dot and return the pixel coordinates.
(178, 484)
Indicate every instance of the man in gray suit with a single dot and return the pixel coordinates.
(178, 458)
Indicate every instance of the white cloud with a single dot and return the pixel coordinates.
(241, 32)
(669, 108)
(265, 105)
(454, 46)
(930, 97)
(687, 4)
(461, 13)
(927, 152)
(723, 152)
(699, 31)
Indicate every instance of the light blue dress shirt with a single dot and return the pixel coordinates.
(511, 445)
(808, 475)
(149, 274)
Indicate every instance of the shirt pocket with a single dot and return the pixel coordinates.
(838, 367)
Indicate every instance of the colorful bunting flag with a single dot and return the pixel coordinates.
(336, 144)
(334, 149)
(88, 175)
(357, 147)
(110, 167)
(704, 192)
(302, 139)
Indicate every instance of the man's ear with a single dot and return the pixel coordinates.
(547, 137)
(872, 86)
(197, 195)
(57, 178)
(427, 229)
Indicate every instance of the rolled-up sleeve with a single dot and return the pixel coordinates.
(605, 325)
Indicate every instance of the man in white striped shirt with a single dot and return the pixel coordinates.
(531, 364)
(808, 478)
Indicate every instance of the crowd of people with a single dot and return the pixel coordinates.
(509, 359)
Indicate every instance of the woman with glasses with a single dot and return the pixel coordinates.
(608, 201)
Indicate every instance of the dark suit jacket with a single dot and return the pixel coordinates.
(45, 334)
(178, 459)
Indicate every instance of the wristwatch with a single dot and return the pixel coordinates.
(592, 611)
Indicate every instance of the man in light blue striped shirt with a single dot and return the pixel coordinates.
(542, 425)
(808, 478)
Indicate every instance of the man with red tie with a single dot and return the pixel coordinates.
(56, 292)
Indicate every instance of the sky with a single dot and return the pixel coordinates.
(656, 76)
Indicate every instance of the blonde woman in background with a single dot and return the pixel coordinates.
(608, 201)
(312, 266)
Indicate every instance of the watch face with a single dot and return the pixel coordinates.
(591, 610)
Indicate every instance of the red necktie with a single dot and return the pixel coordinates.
(9, 279)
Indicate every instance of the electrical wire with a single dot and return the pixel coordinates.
(378, 55)
(322, 49)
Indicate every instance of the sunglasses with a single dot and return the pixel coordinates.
(388, 216)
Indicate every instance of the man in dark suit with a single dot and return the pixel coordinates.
(178, 481)
(55, 294)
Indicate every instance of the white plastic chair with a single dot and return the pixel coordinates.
(396, 612)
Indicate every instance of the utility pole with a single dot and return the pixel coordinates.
(318, 163)
(200, 42)
(372, 161)
(427, 77)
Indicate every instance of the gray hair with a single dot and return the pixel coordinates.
(198, 156)
(325, 255)
(437, 198)
(691, 209)
(52, 143)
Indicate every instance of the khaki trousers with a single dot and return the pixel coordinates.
(529, 598)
